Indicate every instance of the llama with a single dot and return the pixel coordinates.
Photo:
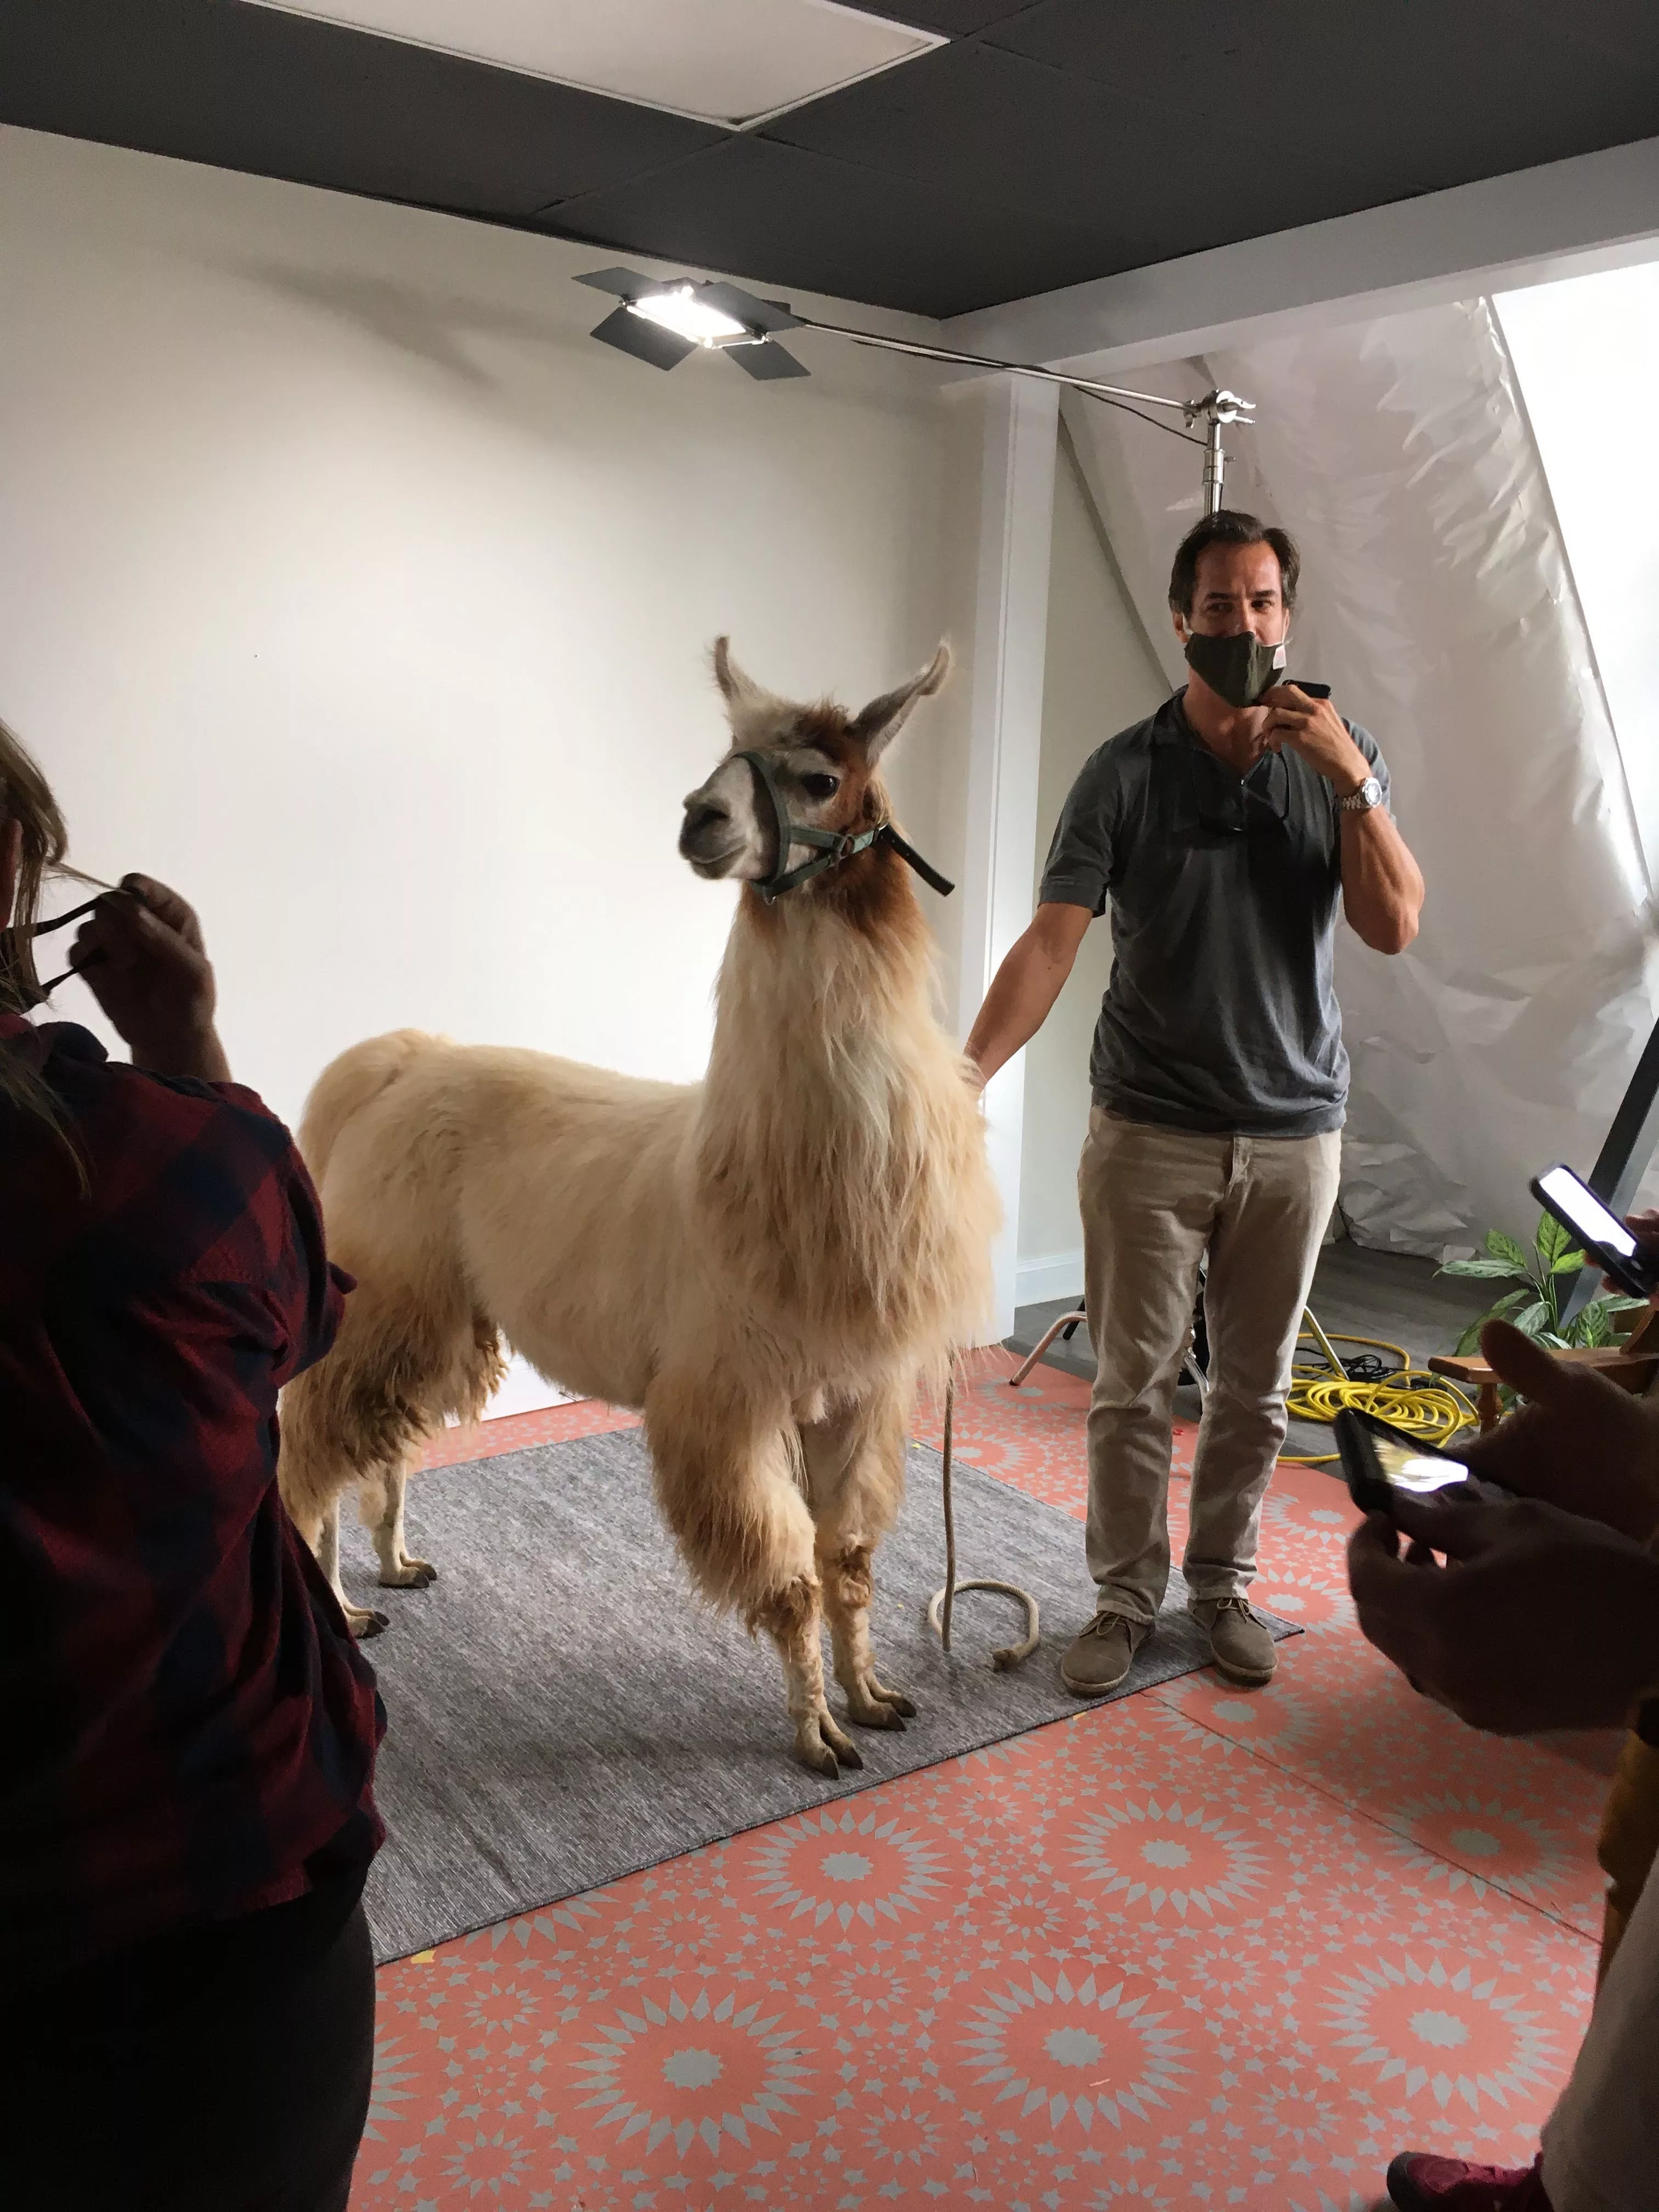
(766, 1263)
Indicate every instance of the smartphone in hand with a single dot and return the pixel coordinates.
(1602, 1234)
(1381, 1463)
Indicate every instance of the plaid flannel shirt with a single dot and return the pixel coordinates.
(191, 1729)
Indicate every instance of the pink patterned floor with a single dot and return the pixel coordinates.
(1199, 1949)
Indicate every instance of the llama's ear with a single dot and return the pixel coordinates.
(880, 722)
(753, 711)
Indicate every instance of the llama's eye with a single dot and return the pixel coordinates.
(820, 787)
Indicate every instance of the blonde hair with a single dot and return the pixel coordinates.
(26, 797)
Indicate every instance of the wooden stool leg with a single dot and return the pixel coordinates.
(1489, 1406)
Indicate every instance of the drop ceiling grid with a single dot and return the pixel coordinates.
(1045, 145)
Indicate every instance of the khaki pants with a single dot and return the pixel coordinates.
(1601, 2141)
(1153, 1200)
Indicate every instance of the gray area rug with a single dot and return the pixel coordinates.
(564, 1711)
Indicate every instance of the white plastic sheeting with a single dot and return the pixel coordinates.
(1437, 600)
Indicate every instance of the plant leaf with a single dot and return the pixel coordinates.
(1468, 1344)
(1596, 1325)
(1532, 1320)
(1506, 1248)
(1492, 1271)
(1507, 1304)
(1553, 1239)
(1569, 1264)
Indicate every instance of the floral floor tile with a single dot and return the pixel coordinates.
(1200, 1947)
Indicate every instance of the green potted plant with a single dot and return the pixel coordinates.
(1545, 1276)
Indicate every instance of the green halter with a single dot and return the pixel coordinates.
(834, 846)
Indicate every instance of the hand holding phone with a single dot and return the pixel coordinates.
(1598, 1228)
(1382, 1463)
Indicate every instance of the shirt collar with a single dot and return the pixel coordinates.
(1260, 775)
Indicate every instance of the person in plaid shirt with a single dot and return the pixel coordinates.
(186, 1806)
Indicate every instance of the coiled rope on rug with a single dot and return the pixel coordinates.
(1426, 1406)
(942, 1604)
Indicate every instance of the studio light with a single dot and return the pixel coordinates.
(662, 320)
(662, 323)
(682, 311)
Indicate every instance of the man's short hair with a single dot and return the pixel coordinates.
(1228, 526)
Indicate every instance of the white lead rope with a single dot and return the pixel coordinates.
(943, 1601)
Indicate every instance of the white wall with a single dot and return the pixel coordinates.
(1099, 679)
(349, 587)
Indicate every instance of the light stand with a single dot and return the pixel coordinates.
(660, 321)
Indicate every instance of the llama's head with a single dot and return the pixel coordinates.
(822, 762)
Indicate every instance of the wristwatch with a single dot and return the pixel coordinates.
(1369, 794)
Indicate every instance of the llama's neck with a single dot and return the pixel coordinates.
(840, 1156)
(824, 1020)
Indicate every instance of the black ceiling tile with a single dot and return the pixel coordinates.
(1411, 95)
(779, 215)
(250, 88)
(971, 119)
(1628, 29)
(957, 19)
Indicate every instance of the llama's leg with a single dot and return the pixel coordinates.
(360, 1619)
(726, 1484)
(399, 1569)
(404, 1358)
(855, 1470)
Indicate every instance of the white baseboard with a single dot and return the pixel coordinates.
(1053, 1275)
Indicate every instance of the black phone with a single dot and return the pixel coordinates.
(1306, 684)
(1598, 1228)
(1381, 1462)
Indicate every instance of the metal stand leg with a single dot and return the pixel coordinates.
(1064, 1326)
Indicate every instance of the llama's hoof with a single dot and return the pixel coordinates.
(363, 1623)
(873, 1705)
(872, 1713)
(408, 1574)
(823, 1748)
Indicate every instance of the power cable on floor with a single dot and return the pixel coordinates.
(1426, 1406)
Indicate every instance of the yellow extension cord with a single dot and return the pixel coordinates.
(1427, 1406)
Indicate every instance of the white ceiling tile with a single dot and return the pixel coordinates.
(732, 61)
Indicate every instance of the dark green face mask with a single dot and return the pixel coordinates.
(1238, 669)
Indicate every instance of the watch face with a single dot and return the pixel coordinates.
(1369, 794)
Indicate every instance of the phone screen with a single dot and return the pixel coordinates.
(1585, 1211)
(1421, 1474)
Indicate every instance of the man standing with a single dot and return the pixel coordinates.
(1221, 830)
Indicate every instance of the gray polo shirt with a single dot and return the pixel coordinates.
(1221, 1013)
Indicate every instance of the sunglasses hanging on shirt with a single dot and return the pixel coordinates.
(1209, 797)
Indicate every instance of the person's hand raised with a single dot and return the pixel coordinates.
(1580, 1442)
(1313, 728)
(1539, 1618)
(1645, 1228)
(141, 955)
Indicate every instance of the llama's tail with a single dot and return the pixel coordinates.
(349, 1083)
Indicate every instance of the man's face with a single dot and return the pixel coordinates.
(1238, 588)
